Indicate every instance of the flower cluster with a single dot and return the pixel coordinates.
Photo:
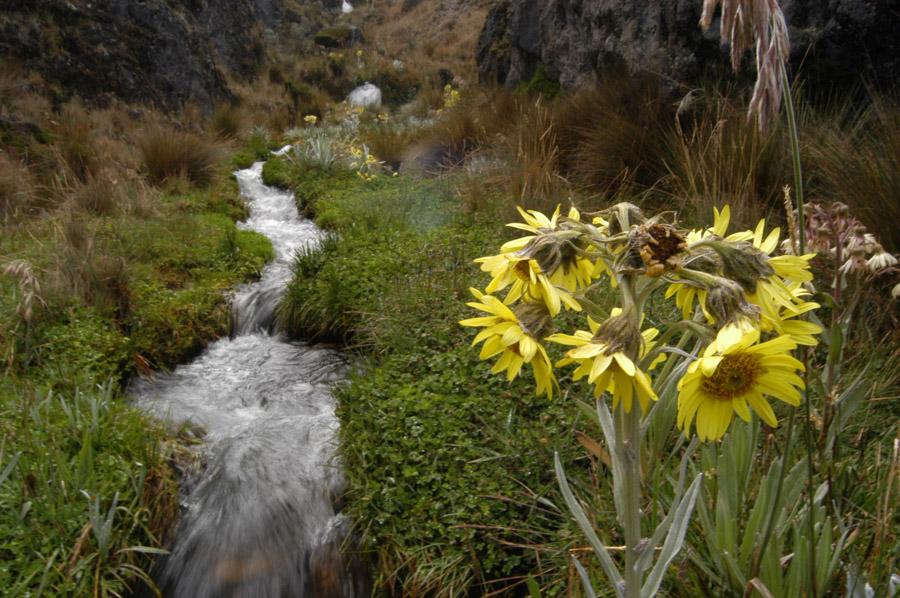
(742, 310)
(364, 162)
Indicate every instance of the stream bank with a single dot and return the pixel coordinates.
(445, 462)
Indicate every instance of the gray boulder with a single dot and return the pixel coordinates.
(579, 42)
(156, 52)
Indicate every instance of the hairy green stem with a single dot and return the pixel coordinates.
(628, 432)
(628, 438)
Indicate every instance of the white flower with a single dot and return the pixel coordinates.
(895, 292)
(881, 260)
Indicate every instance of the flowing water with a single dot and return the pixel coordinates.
(260, 520)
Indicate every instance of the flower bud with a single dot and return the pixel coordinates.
(622, 217)
(619, 333)
(725, 303)
(743, 263)
(552, 250)
(534, 319)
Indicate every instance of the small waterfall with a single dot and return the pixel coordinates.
(260, 520)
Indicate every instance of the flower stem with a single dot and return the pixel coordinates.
(628, 432)
(794, 134)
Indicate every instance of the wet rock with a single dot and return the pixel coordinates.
(579, 42)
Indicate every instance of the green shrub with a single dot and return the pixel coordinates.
(541, 84)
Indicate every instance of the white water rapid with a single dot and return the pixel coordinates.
(260, 520)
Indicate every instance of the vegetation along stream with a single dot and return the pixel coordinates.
(260, 520)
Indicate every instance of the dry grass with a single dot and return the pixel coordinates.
(85, 270)
(388, 143)
(167, 154)
(100, 195)
(17, 193)
(858, 163)
(227, 122)
(430, 35)
(714, 155)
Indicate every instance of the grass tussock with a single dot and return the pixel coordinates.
(227, 122)
(169, 154)
(17, 193)
(858, 163)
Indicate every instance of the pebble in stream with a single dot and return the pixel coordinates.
(260, 520)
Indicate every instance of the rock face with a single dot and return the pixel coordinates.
(150, 51)
(837, 42)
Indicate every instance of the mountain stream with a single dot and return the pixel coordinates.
(259, 521)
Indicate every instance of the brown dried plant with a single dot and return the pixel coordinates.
(759, 23)
(29, 287)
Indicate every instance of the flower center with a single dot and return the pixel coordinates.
(735, 375)
(522, 269)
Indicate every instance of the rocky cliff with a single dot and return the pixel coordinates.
(837, 42)
(150, 51)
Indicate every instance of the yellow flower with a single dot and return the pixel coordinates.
(547, 264)
(607, 366)
(310, 119)
(733, 376)
(785, 321)
(718, 229)
(516, 340)
(525, 279)
(685, 294)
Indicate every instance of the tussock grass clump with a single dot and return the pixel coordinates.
(227, 121)
(101, 195)
(78, 149)
(858, 163)
(17, 192)
(389, 143)
(715, 155)
(87, 270)
(168, 154)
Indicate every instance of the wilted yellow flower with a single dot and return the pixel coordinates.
(733, 376)
(515, 336)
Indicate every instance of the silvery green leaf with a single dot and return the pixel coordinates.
(674, 539)
(581, 518)
(585, 580)
(9, 467)
(607, 426)
(659, 533)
